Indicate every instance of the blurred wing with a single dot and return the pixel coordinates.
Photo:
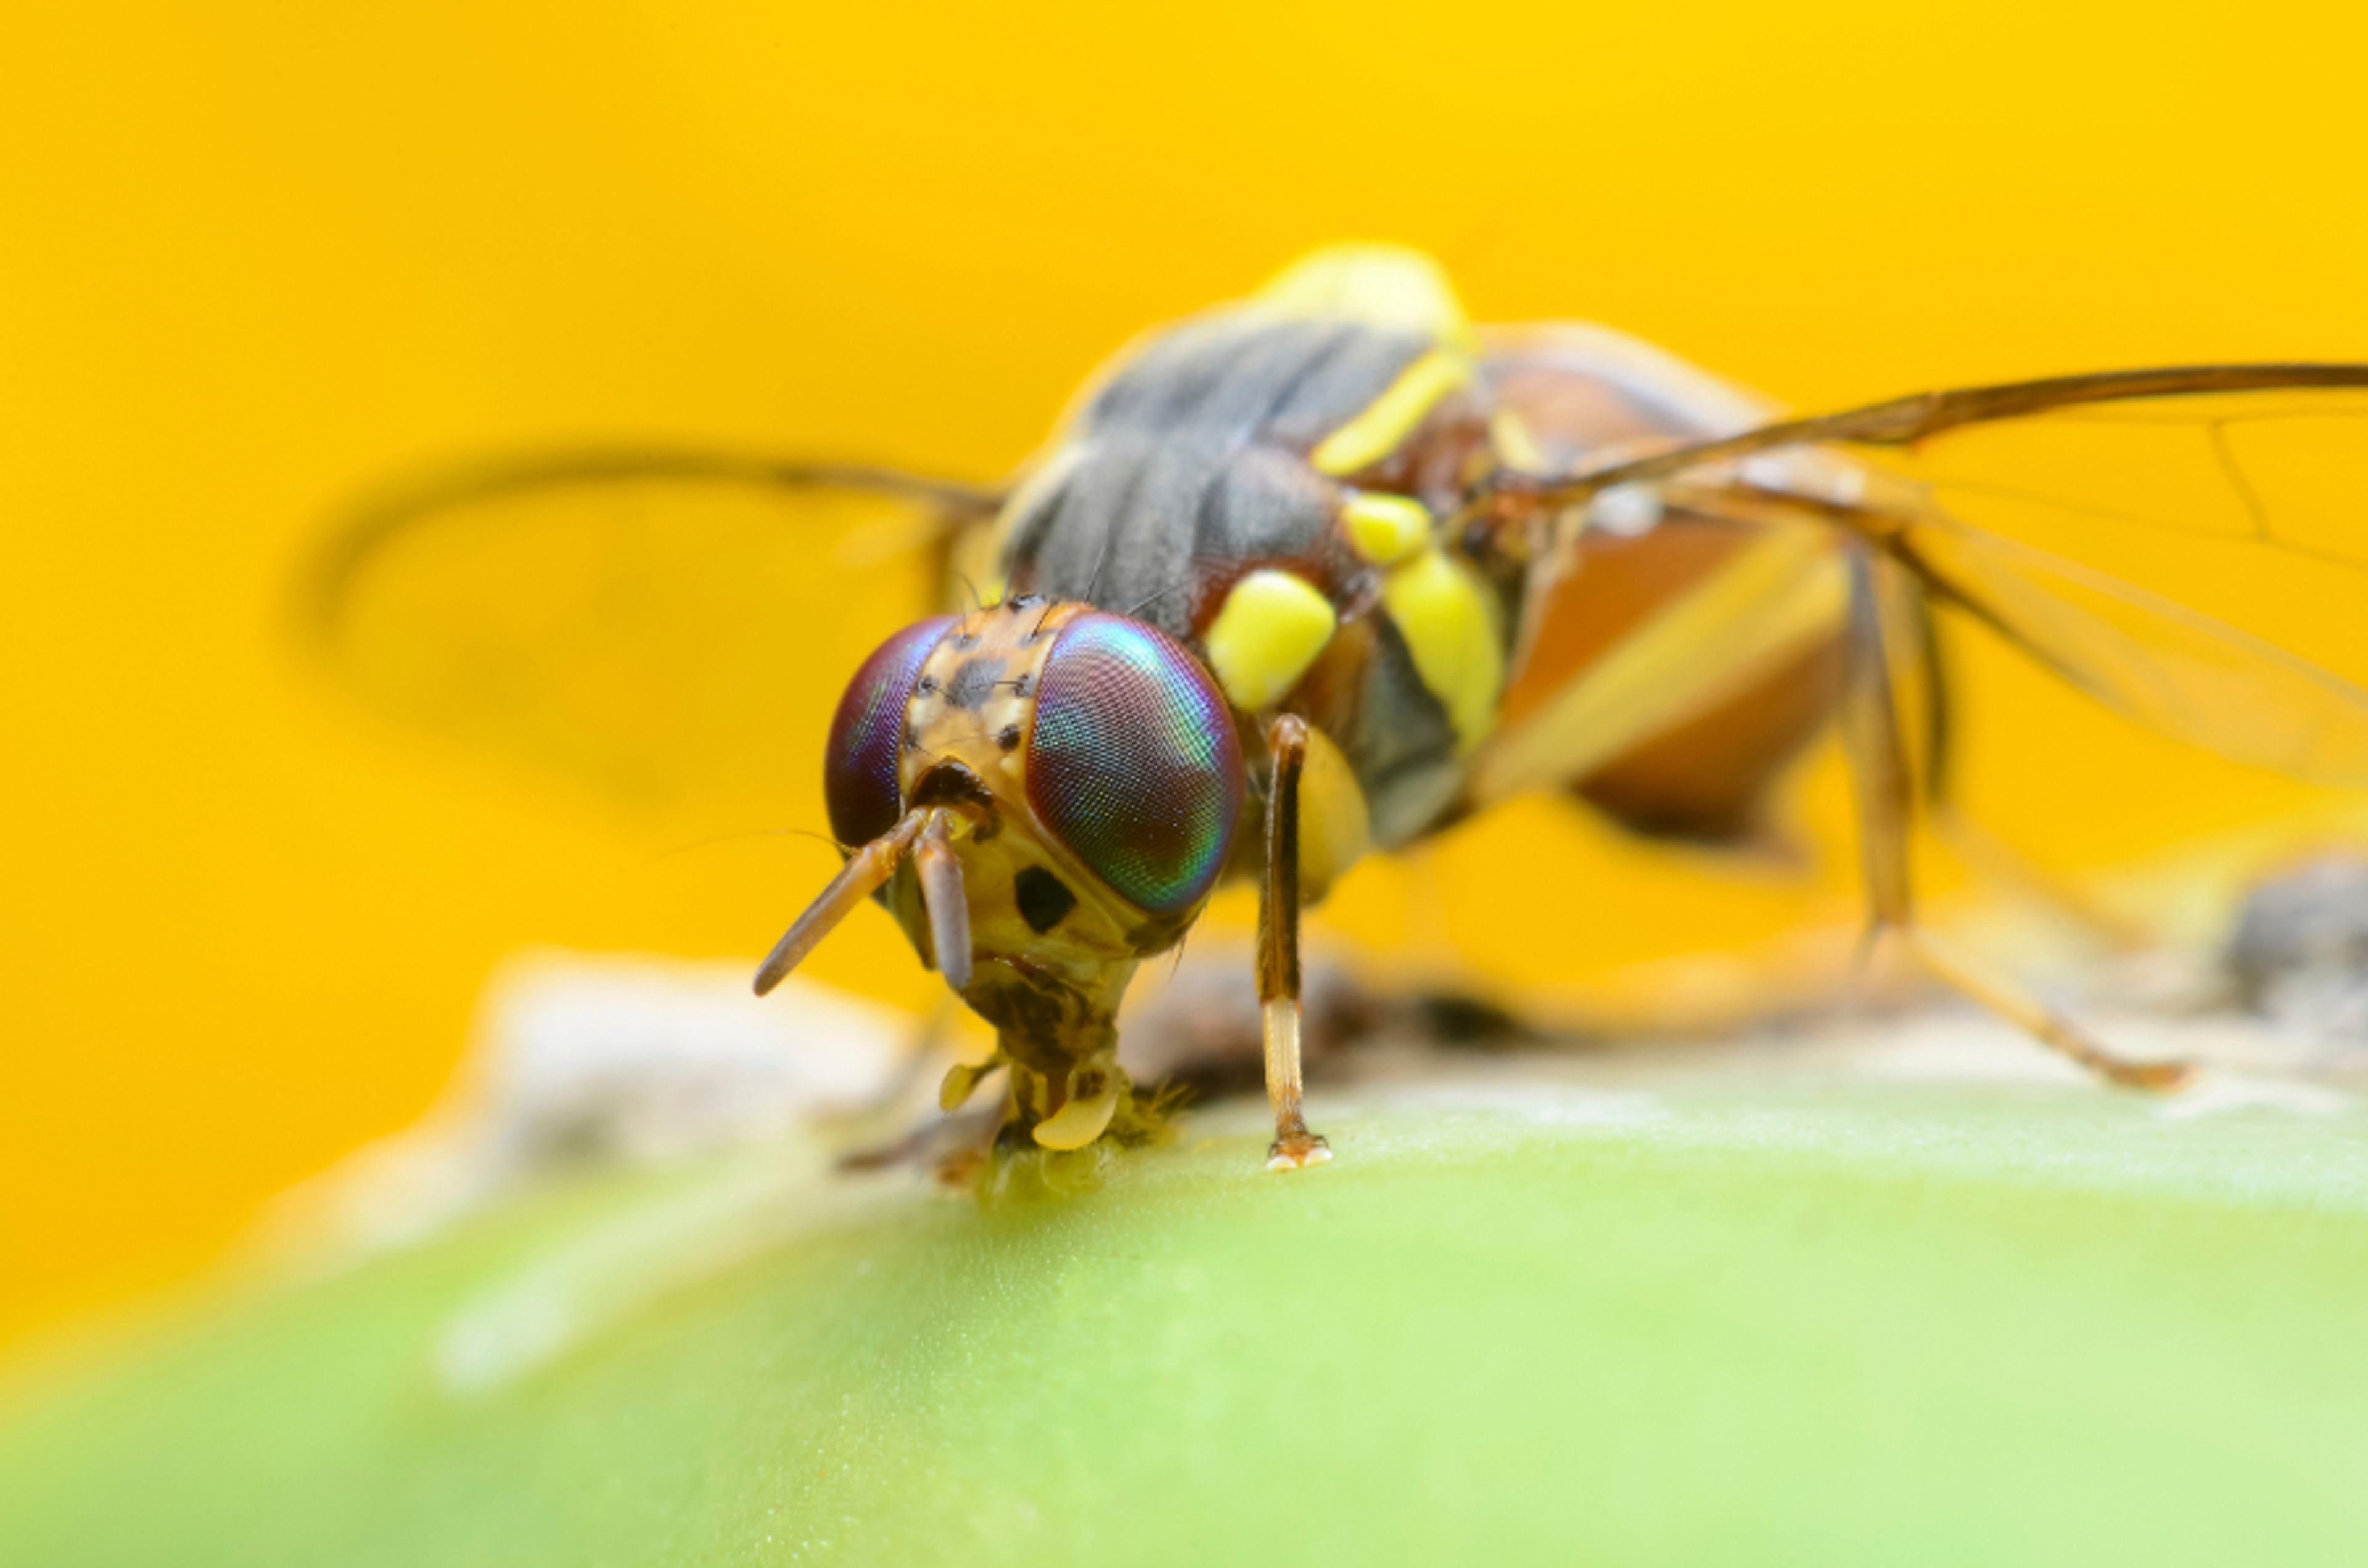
(670, 628)
(1752, 611)
(2125, 530)
(2170, 668)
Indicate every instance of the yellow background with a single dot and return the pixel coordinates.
(254, 258)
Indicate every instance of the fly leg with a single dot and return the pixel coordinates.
(1916, 649)
(1278, 953)
(1883, 780)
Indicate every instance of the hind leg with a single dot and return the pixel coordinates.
(1883, 778)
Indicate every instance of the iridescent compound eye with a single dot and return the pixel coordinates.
(859, 779)
(1133, 764)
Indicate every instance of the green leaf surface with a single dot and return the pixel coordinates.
(1523, 1318)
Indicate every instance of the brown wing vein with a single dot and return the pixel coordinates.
(372, 526)
(1905, 420)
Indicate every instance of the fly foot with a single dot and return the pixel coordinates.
(1296, 1151)
(2156, 1078)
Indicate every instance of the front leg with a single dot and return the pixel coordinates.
(1278, 953)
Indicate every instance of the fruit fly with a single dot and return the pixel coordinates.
(1318, 575)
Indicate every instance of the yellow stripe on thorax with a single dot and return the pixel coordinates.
(1391, 417)
(1334, 824)
(1386, 286)
(1445, 614)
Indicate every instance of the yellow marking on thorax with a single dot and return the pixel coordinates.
(1443, 610)
(1335, 827)
(1272, 626)
(1386, 530)
(1391, 417)
(1515, 443)
(1771, 600)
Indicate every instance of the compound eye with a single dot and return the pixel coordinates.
(1133, 764)
(859, 779)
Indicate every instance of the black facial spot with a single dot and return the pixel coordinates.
(973, 682)
(1009, 737)
(1023, 683)
(1045, 900)
(1023, 601)
(926, 686)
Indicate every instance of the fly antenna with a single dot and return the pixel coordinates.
(861, 877)
(713, 839)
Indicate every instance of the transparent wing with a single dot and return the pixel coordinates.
(2185, 674)
(671, 630)
(2285, 468)
(2193, 557)
(2198, 564)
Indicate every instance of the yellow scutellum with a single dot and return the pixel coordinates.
(1387, 285)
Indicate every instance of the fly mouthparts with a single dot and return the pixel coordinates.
(950, 783)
